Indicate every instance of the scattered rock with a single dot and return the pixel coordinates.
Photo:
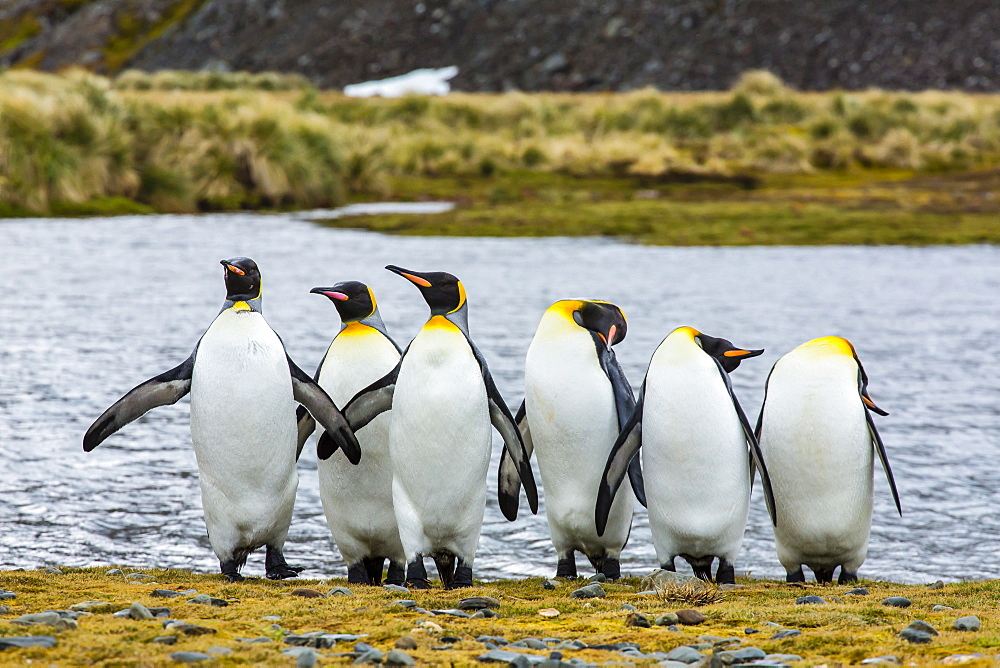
(431, 627)
(689, 617)
(160, 611)
(478, 603)
(6, 595)
(955, 659)
(219, 651)
(667, 619)
(941, 608)
(397, 657)
(786, 633)
(496, 640)
(404, 603)
(406, 642)
(750, 631)
(915, 636)
(939, 584)
(67, 624)
(253, 641)
(165, 640)
(396, 589)
(188, 629)
(599, 577)
(165, 593)
(888, 658)
(897, 602)
(684, 654)
(571, 644)
(48, 618)
(549, 584)
(190, 657)
(320, 640)
(590, 591)
(921, 625)
(453, 612)
(306, 659)
(969, 623)
(510, 658)
(4, 609)
(205, 599)
(744, 655)
(530, 643)
(368, 654)
(629, 607)
(139, 577)
(114, 571)
(27, 641)
(52, 570)
(637, 619)
(93, 606)
(810, 600)
(138, 611)
(859, 591)
(271, 618)
(305, 592)
(548, 612)
(782, 658)
(660, 576)
(340, 591)
(773, 625)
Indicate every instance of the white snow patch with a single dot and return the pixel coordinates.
(426, 81)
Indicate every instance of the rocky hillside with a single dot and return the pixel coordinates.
(525, 44)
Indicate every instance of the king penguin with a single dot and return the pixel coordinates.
(357, 500)
(698, 454)
(576, 401)
(243, 389)
(817, 431)
(443, 400)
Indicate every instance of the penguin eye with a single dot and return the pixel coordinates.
(697, 340)
(578, 318)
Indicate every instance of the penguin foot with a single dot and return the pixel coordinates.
(416, 574)
(357, 574)
(726, 573)
(702, 566)
(566, 567)
(847, 576)
(281, 574)
(418, 583)
(373, 567)
(275, 567)
(795, 576)
(669, 565)
(463, 577)
(231, 569)
(823, 575)
(396, 575)
(611, 568)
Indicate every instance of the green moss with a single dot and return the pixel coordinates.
(13, 33)
(102, 206)
(134, 33)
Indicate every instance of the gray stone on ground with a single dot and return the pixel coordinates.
(190, 657)
(969, 623)
(786, 633)
(114, 571)
(921, 625)
(485, 613)
(530, 643)
(187, 629)
(165, 640)
(750, 631)
(742, 655)
(599, 577)
(396, 588)
(897, 602)
(941, 608)
(858, 591)
(48, 618)
(139, 577)
(271, 618)
(371, 655)
(887, 658)
(306, 659)
(6, 595)
(405, 603)
(684, 654)
(690, 617)
(165, 593)
(52, 570)
(638, 620)
(810, 600)
(782, 658)
(667, 619)
(956, 659)
(590, 591)
(306, 592)
(511, 658)
(138, 611)
(252, 641)
(4, 609)
(397, 657)
(93, 606)
(939, 584)
(452, 612)
(663, 577)
(219, 651)
(915, 636)
(406, 642)
(340, 591)
(550, 584)
(478, 603)
(205, 599)
(27, 641)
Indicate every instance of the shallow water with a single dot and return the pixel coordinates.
(92, 307)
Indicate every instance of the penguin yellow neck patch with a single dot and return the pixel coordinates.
(440, 322)
(241, 306)
(356, 329)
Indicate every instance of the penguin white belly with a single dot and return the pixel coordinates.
(571, 413)
(244, 433)
(357, 499)
(819, 454)
(695, 461)
(440, 443)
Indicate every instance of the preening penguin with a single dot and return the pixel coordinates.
(357, 500)
(698, 454)
(443, 401)
(817, 431)
(243, 391)
(576, 401)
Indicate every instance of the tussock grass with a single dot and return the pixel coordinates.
(846, 630)
(687, 593)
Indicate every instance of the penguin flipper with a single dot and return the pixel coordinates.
(884, 458)
(319, 404)
(625, 449)
(756, 456)
(624, 405)
(306, 426)
(162, 390)
(373, 400)
(508, 480)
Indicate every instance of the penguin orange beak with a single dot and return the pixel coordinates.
(233, 268)
(331, 293)
(412, 276)
(739, 352)
(865, 397)
(609, 341)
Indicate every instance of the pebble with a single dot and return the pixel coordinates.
(571, 644)
(549, 584)
(638, 620)
(340, 591)
(6, 595)
(786, 633)
(962, 658)
(320, 640)
(4, 609)
(52, 570)
(897, 602)
(114, 571)
(750, 631)
(253, 641)
(590, 591)
(219, 651)
(441, 648)
(138, 611)
(431, 627)
(773, 625)
(139, 577)
(189, 657)
(188, 629)
(496, 640)
(915, 636)
(782, 658)
(404, 603)
(888, 658)
(165, 640)
(478, 603)
(810, 600)
(271, 618)
(453, 612)
(305, 659)
(305, 592)
(205, 599)
(921, 625)
(165, 593)
(599, 577)
(530, 643)
(48, 618)
(970, 623)
(397, 657)
(370, 656)
(629, 607)
(936, 585)
(941, 608)
(689, 617)
(660, 576)
(684, 654)
(510, 658)
(93, 606)
(744, 655)
(406, 642)
(27, 641)
(396, 588)
(667, 619)
(860, 591)
(548, 612)
(160, 611)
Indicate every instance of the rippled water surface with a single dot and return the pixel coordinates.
(90, 308)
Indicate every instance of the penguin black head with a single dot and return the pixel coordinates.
(353, 299)
(602, 318)
(443, 292)
(728, 355)
(242, 282)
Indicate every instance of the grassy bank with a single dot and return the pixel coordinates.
(847, 629)
(839, 167)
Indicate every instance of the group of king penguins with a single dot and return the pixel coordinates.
(253, 409)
